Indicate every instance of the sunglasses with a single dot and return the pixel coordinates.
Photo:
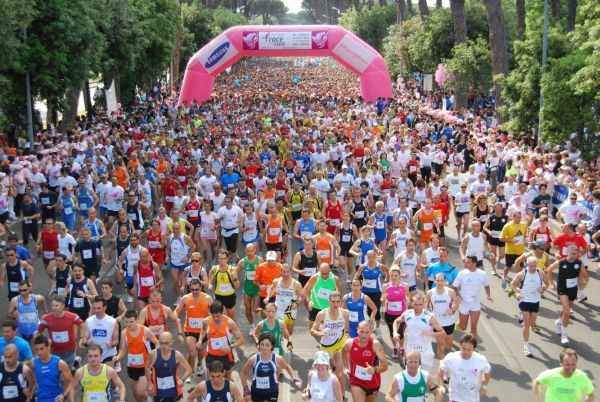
(195, 260)
(23, 290)
(195, 289)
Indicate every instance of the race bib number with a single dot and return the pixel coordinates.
(132, 216)
(370, 283)
(193, 213)
(45, 200)
(415, 347)
(165, 382)
(68, 211)
(334, 222)
(154, 244)
(361, 373)
(309, 271)
(353, 316)
(380, 225)
(250, 275)
(135, 359)
(359, 214)
(263, 383)
(324, 293)
(324, 254)
(10, 392)
(48, 255)
(28, 221)
(13, 286)
(87, 254)
(346, 238)
(274, 231)
(427, 226)
(147, 281)
(99, 333)
(225, 288)
(83, 206)
(218, 343)
(415, 399)
(572, 283)
(495, 234)
(518, 239)
(195, 323)
(78, 302)
(60, 336)
(395, 306)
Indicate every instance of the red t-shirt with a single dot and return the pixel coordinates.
(61, 330)
(564, 240)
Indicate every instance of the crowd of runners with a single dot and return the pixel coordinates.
(290, 197)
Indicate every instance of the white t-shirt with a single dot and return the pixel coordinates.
(101, 331)
(114, 198)
(230, 217)
(206, 184)
(465, 375)
(64, 243)
(470, 284)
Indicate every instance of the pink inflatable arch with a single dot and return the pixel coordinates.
(284, 41)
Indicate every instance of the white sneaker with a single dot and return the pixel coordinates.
(582, 297)
(564, 339)
(200, 370)
(526, 350)
(558, 325)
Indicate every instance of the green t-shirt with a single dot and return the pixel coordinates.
(563, 389)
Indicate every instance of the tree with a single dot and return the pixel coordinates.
(520, 7)
(498, 43)
(400, 11)
(268, 9)
(571, 14)
(423, 8)
(459, 23)
(470, 65)
(370, 24)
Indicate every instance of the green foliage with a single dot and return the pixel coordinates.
(371, 25)
(223, 18)
(471, 64)
(267, 9)
(420, 45)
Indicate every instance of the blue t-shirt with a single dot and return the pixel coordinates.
(22, 346)
(22, 253)
(450, 272)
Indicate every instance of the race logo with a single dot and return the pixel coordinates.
(217, 55)
(319, 40)
(250, 40)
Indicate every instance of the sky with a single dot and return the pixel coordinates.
(295, 6)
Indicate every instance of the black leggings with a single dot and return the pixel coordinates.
(231, 243)
(376, 297)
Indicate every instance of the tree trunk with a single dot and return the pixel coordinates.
(70, 113)
(383, 3)
(51, 111)
(423, 8)
(87, 99)
(520, 6)
(498, 45)
(400, 11)
(370, 4)
(572, 14)
(459, 20)
(438, 3)
(555, 8)
(409, 7)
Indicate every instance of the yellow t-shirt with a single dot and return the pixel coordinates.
(517, 233)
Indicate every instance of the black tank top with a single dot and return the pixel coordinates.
(122, 245)
(14, 275)
(308, 262)
(62, 276)
(568, 272)
(346, 237)
(497, 222)
(10, 383)
(77, 304)
(213, 395)
(112, 306)
(133, 213)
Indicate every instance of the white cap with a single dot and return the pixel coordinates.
(271, 255)
(321, 357)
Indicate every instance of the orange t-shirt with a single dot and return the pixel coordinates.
(426, 221)
(121, 174)
(195, 312)
(266, 273)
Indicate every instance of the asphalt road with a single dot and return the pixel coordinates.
(499, 334)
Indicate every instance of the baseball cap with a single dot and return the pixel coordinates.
(271, 255)
(321, 357)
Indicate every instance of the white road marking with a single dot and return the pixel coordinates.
(503, 348)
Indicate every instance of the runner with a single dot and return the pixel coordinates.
(167, 370)
(266, 273)
(407, 262)
(373, 276)
(305, 261)
(247, 266)
(96, 379)
(420, 329)
(196, 306)
(195, 271)
(155, 316)
(443, 302)
(467, 372)
(13, 272)
(394, 301)
(223, 335)
(52, 374)
(147, 276)
(274, 326)
(179, 249)
(217, 388)
(364, 360)
(570, 275)
(513, 235)
(443, 266)
(134, 342)
(80, 291)
(10, 337)
(413, 383)
(156, 243)
(26, 310)
(323, 385)
(288, 294)
(318, 289)
(230, 219)
(90, 254)
(359, 306)
(331, 326)
(468, 285)
(223, 279)
(16, 379)
(263, 371)
(565, 383)
(492, 228)
(529, 287)
(101, 330)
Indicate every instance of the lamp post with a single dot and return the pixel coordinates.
(544, 62)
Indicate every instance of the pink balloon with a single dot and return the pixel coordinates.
(284, 41)
(441, 75)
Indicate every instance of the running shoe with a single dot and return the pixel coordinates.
(558, 325)
(582, 298)
(200, 370)
(536, 329)
(520, 315)
(526, 350)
